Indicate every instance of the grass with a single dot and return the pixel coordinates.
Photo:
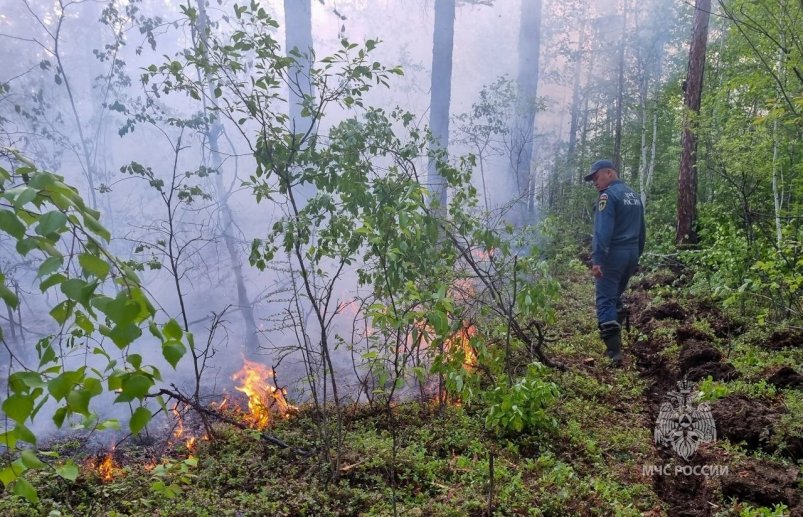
(588, 464)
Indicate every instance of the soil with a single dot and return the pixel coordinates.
(785, 338)
(786, 377)
(738, 417)
(696, 353)
(717, 371)
(668, 310)
(765, 483)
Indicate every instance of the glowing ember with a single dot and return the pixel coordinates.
(263, 398)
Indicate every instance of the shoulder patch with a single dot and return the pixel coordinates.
(603, 202)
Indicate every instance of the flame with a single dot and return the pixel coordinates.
(190, 444)
(105, 468)
(178, 432)
(461, 340)
(263, 397)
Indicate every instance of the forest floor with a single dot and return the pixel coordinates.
(594, 461)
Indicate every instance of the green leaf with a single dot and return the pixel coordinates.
(18, 407)
(94, 225)
(172, 329)
(11, 225)
(84, 323)
(51, 222)
(94, 265)
(8, 297)
(93, 386)
(8, 475)
(26, 196)
(25, 489)
(78, 401)
(124, 335)
(61, 386)
(62, 311)
(59, 415)
(21, 382)
(8, 439)
(173, 351)
(50, 265)
(134, 386)
(78, 290)
(25, 434)
(110, 424)
(68, 470)
(51, 280)
(135, 360)
(139, 420)
(31, 461)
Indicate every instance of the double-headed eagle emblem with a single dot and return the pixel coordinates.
(681, 425)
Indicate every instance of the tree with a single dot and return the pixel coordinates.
(440, 94)
(213, 130)
(523, 131)
(299, 46)
(686, 232)
(55, 229)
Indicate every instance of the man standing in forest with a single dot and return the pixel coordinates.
(619, 235)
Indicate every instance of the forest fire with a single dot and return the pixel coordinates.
(263, 398)
(105, 469)
(461, 340)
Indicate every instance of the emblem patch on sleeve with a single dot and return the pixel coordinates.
(603, 202)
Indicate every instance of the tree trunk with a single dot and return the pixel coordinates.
(213, 133)
(620, 96)
(298, 44)
(441, 94)
(687, 178)
(571, 153)
(523, 132)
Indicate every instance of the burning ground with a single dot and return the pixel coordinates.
(439, 460)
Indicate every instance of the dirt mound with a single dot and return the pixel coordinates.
(696, 353)
(786, 377)
(687, 332)
(785, 338)
(742, 419)
(660, 278)
(665, 311)
(765, 484)
(717, 371)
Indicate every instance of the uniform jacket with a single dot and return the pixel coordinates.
(618, 222)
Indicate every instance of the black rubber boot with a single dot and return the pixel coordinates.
(611, 334)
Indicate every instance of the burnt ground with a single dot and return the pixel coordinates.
(677, 345)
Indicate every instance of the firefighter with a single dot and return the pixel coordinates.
(619, 235)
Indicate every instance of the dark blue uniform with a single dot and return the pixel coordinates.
(619, 235)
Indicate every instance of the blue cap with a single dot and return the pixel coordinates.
(598, 166)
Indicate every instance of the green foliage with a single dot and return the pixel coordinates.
(522, 406)
(736, 271)
(777, 510)
(55, 230)
(713, 390)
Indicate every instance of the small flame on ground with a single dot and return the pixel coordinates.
(263, 398)
(104, 468)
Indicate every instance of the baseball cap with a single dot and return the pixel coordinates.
(597, 166)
